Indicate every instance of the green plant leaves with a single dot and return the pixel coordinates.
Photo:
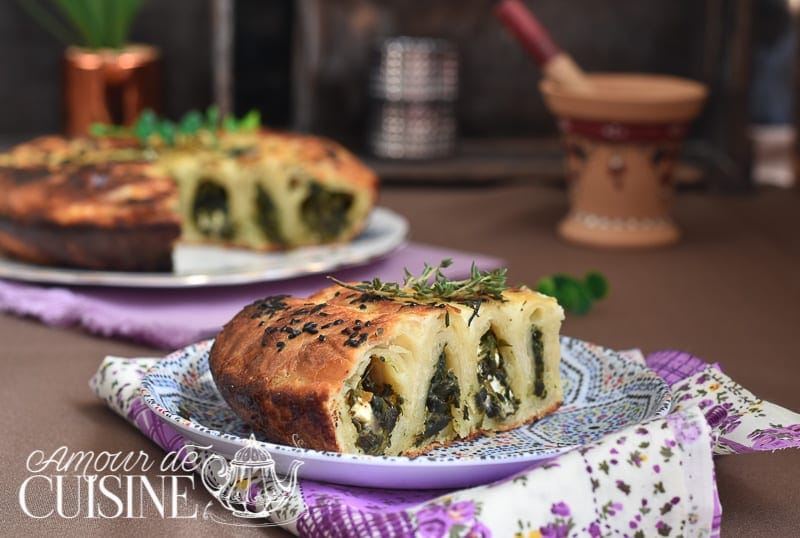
(92, 24)
(575, 295)
(212, 117)
(122, 20)
(191, 122)
(51, 23)
(596, 284)
(149, 128)
(146, 125)
(251, 121)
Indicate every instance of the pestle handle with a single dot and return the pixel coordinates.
(556, 64)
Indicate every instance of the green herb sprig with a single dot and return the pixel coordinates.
(150, 129)
(574, 294)
(433, 286)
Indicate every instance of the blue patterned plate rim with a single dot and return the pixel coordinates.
(580, 359)
(654, 390)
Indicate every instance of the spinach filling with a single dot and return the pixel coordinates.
(241, 151)
(495, 397)
(537, 347)
(374, 411)
(267, 217)
(210, 211)
(325, 211)
(443, 395)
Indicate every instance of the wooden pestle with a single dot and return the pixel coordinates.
(556, 64)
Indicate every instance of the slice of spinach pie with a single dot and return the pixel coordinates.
(392, 369)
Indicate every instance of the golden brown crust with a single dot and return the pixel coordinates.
(256, 364)
(281, 362)
(98, 195)
(64, 205)
(140, 248)
(97, 216)
(106, 199)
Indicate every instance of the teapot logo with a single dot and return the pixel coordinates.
(249, 487)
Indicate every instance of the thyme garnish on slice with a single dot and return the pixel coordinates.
(433, 286)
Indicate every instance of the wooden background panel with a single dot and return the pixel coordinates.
(499, 94)
(31, 69)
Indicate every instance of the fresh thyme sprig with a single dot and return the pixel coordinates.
(433, 286)
(486, 284)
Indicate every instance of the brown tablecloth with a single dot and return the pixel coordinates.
(729, 292)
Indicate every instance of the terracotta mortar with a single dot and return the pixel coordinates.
(622, 141)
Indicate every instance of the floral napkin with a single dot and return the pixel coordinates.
(651, 479)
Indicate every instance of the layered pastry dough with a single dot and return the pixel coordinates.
(349, 372)
(95, 202)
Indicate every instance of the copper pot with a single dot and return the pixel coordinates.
(109, 86)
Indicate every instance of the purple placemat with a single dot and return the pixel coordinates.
(172, 318)
(675, 365)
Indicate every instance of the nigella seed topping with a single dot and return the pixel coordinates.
(323, 314)
(293, 333)
(326, 326)
(280, 345)
(367, 324)
(338, 322)
(356, 340)
(270, 306)
(347, 331)
(321, 338)
(294, 321)
(310, 327)
(318, 308)
(362, 307)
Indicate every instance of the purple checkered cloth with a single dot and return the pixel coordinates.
(675, 365)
